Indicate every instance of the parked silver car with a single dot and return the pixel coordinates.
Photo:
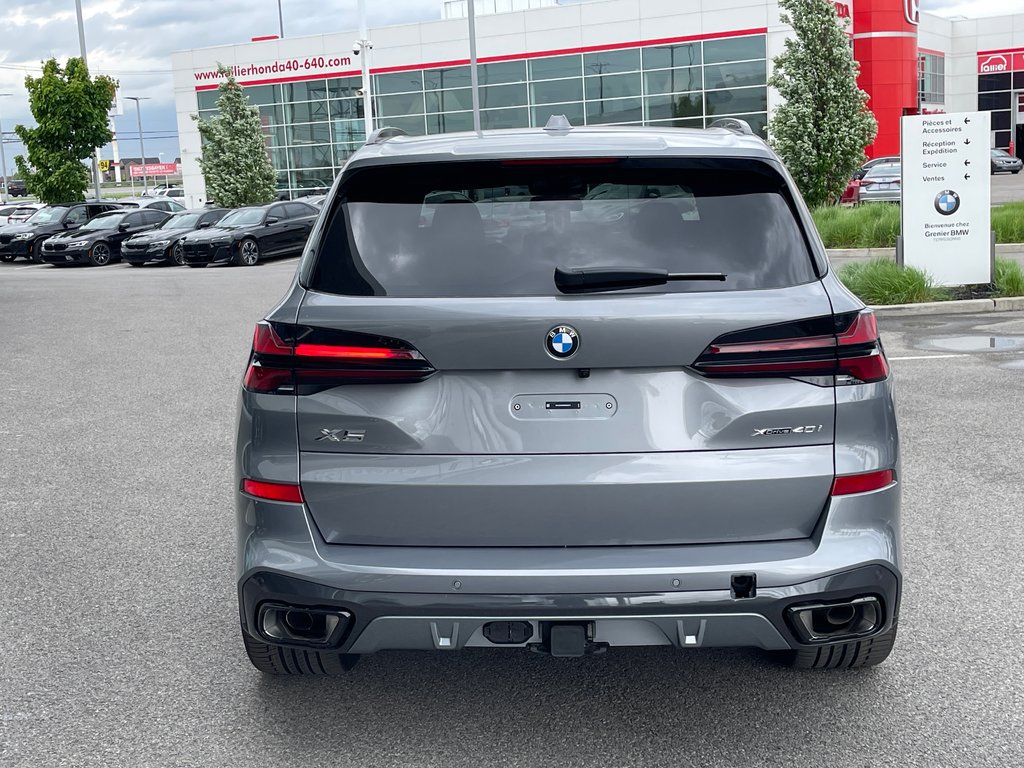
(569, 432)
(882, 184)
(1004, 162)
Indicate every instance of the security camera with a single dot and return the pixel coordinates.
(360, 92)
(358, 45)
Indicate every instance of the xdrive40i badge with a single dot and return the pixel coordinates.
(770, 431)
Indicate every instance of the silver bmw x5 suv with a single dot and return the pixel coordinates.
(565, 390)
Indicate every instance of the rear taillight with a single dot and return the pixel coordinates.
(300, 360)
(846, 346)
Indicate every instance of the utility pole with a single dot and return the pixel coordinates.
(3, 155)
(85, 61)
(142, 145)
(280, 20)
(363, 47)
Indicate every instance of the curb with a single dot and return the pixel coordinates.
(841, 255)
(966, 307)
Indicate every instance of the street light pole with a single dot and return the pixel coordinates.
(280, 19)
(142, 145)
(473, 80)
(85, 61)
(365, 46)
(3, 156)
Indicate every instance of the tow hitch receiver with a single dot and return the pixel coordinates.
(568, 640)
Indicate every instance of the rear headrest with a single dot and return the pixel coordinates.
(457, 219)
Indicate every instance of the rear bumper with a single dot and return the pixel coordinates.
(406, 597)
(710, 619)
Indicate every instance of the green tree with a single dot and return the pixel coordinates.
(71, 112)
(822, 128)
(234, 162)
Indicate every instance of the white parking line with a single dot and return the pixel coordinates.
(927, 357)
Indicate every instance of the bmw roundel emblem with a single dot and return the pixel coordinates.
(947, 202)
(563, 341)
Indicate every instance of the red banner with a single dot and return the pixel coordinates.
(155, 169)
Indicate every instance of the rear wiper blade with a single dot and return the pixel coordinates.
(597, 279)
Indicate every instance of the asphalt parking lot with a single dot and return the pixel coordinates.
(1007, 188)
(120, 632)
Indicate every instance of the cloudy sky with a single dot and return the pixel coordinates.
(132, 40)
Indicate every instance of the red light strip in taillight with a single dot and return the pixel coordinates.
(355, 353)
(784, 345)
(845, 485)
(261, 489)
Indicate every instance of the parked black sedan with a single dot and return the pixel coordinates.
(26, 239)
(98, 241)
(163, 244)
(246, 235)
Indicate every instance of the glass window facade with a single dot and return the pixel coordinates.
(312, 127)
(932, 79)
(996, 95)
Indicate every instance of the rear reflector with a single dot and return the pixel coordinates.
(843, 346)
(301, 360)
(273, 491)
(868, 481)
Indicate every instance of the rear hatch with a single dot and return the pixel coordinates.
(449, 393)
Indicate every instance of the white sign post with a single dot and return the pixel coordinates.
(947, 197)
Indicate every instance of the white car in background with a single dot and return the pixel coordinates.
(15, 214)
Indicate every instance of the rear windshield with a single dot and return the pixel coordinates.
(501, 228)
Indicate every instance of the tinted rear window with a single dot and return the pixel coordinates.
(500, 228)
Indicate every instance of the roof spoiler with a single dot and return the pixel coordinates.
(383, 134)
(741, 127)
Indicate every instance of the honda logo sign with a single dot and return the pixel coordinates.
(912, 10)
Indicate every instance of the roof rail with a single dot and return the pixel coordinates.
(383, 134)
(733, 124)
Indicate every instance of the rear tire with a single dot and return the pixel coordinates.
(35, 252)
(853, 655)
(276, 660)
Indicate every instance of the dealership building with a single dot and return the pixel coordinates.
(681, 63)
